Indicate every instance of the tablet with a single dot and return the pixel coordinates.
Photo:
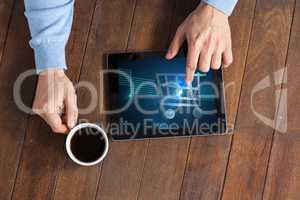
(148, 97)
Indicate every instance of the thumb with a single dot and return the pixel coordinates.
(175, 44)
(55, 122)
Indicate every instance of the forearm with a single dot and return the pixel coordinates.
(225, 6)
(50, 23)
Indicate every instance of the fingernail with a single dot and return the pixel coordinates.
(188, 83)
(65, 129)
(169, 55)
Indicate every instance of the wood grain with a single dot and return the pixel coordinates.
(252, 139)
(33, 162)
(43, 151)
(283, 180)
(123, 168)
(16, 58)
(208, 156)
(110, 19)
(164, 169)
(6, 7)
(166, 158)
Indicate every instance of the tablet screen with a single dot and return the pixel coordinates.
(148, 97)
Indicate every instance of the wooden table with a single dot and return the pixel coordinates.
(256, 162)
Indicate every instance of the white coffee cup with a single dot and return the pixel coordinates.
(71, 136)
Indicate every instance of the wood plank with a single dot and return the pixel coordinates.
(292, 86)
(208, 156)
(166, 158)
(123, 168)
(110, 19)
(6, 7)
(16, 58)
(164, 169)
(44, 151)
(283, 172)
(252, 140)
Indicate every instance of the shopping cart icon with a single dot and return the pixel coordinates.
(176, 94)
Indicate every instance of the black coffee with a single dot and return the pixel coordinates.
(87, 144)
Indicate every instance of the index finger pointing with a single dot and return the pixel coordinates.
(192, 60)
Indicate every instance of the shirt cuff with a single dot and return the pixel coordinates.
(49, 57)
(225, 6)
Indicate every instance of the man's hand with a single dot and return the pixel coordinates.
(207, 33)
(55, 100)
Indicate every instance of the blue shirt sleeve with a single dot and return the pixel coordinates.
(225, 6)
(50, 24)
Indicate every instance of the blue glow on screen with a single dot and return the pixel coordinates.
(166, 77)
